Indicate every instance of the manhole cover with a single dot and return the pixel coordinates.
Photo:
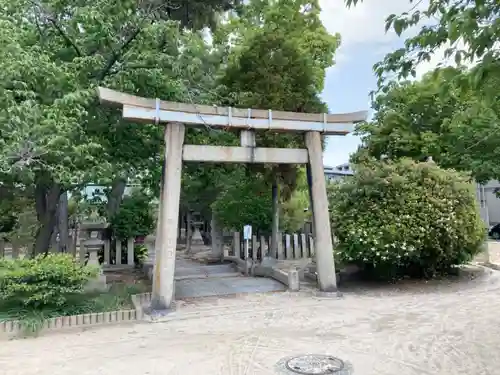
(314, 364)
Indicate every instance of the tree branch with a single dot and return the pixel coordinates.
(65, 36)
(51, 18)
(117, 54)
(126, 45)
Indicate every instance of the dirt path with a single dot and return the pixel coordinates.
(445, 329)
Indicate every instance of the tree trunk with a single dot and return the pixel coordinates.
(311, 201)
(62, 225)
(189, 230)
(74, 240)
(46, 202)
(53, 237)
(217, 237)
(115, 196)
(179, 226)
(273, 251)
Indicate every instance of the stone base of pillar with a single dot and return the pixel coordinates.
(155, 312)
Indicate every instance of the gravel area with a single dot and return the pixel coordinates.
(440, 327)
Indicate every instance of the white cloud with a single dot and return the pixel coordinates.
(363, 23)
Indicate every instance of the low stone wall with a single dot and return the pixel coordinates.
(14, 329)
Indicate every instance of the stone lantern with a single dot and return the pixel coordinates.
(197, 242)
(94, 239)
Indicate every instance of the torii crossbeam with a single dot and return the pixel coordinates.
(248, 121)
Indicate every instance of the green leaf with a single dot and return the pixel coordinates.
(399, 26)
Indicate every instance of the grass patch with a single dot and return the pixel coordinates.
(118, 297)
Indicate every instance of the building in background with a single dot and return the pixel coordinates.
(489, 203)
(338, 172)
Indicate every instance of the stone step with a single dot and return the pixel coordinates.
(226, 286)
(207, 276)
(187, 270)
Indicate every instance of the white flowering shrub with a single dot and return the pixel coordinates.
(405, 218)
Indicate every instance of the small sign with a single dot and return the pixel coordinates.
(247, 232)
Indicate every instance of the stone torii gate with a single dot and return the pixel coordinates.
(178, 115)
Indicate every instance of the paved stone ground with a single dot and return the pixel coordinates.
(445, 328)
(200, 280)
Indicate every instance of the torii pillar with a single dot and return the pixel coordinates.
(168, 217)
(323, 244)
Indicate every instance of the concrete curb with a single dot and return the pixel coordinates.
(11, 329)
(488, 265)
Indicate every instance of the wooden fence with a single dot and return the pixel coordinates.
(290, 246)
(120, 254)
(115, 254)
(8, 250)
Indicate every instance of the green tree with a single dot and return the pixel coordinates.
(295, 211)
(406, 218)
(259, 60)
(276, 57)
(281, 54)
(246, 200)
(458, 127)
(53, 133)
(135, 218)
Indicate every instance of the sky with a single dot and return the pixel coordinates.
(364, 43)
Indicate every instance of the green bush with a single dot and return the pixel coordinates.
(134, 219)
(405, 218)
(42, 281)
(140, 254)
